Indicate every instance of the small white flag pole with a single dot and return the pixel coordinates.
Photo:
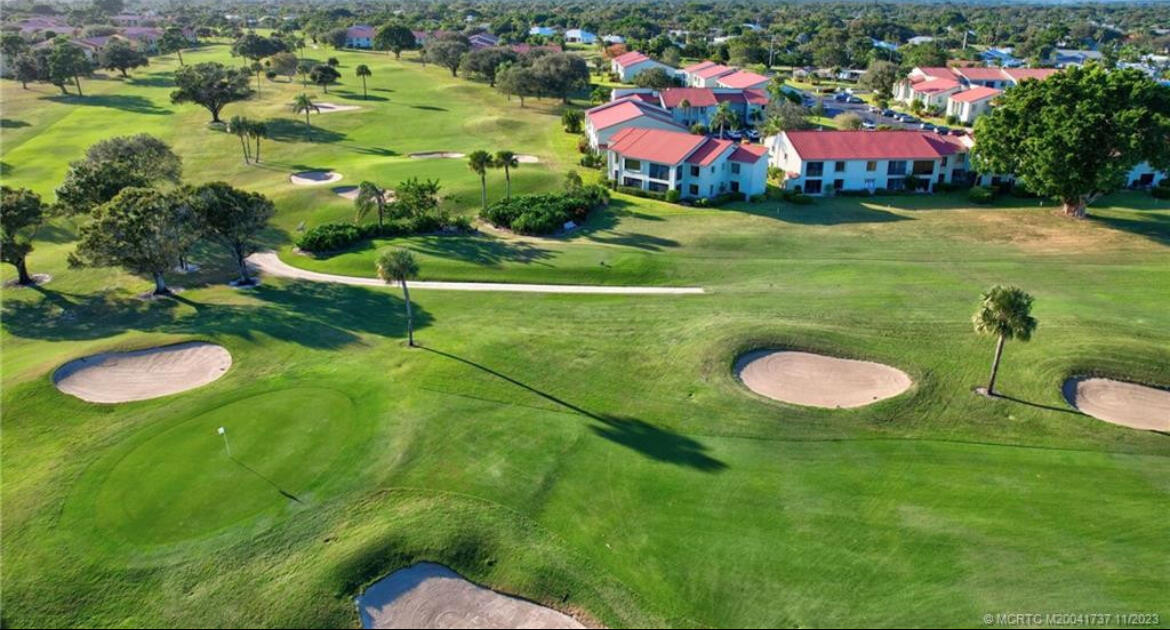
(223, 432)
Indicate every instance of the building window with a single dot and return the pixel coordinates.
(870, 184)
(735, 167)
(734, 186)
(694, 171)
(633, 165)
(896, 167)
(871, 166)
(944, 161)
(659, 171)
(694, 190)
(632, 181)
(840, 167)
(658, 187)
(812, 186)
(923, 167)
(815, 169)
(896, 184)
(838, 184)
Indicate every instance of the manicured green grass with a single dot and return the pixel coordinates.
(591, 452)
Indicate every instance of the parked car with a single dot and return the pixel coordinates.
(943, 130)
(753, 134)
(908, 119)
(889, 113)
(926, 126)
(868, 124)
(874, 109)
(856, 100)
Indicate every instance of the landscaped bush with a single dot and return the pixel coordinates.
(801, 199)
(332, 237)
(638, 192)
(672, 196)
(546, 213)
(1160, 192)
(981, 195)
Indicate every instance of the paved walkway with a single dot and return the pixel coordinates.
(270, 263)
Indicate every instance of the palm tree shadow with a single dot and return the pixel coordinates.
(652, 441)
(1040, 405)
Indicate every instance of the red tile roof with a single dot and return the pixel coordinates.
(975, 94)
(630, 58)
(655, 145)
(709, 151)
(1019, 74)
(981, 74)
(622, 110)
(712, 71)
(937, 72)
(934, 86)
(697, 97)
(360, 31)
(698, 66)
(749, 153)
(872, 145)
(742, 79)
(757, 96)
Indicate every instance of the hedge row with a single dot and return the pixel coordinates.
(332, 237)
(545, 213)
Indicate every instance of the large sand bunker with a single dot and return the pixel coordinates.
(114, 377)
(527, 159)
(431, 155)
(313, 178)
(429, 595)
(1127, 404)
(816, 380)
(351, 193)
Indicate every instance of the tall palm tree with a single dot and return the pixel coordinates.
(1006, 313)
(724, 117)
(480, 162)
(398, 265)
(507, 161)
(363, 71)
(302, 103)
(257, 129)
(685, 105)
(370, 197)
(239, 126)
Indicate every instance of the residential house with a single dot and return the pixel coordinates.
(603, 121)
(580, 36)
(743, 80)
(1002, 57)
(33, 25)
(690, 106)
(815, 161)
(968, 105)
(483, 40)
(132, 19)
(90, 46)
(359, 36)
(1064, 57)
(919, 40)
(144, 38)
(543, 31)
(613, 39)
(709, 76)
(695, 166)
(1144, 176)
(932, 93)
(629, 65)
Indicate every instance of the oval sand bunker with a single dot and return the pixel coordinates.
(114, 377)
(1128, 404)
(817, 380)
(437, 155)
(429, 595)
(313, 178)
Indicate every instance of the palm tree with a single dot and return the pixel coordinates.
(363, 71)
(239, 126)
(480, 162)
(302, 103)
(507, 161)
(724, 117)
(257, 129)
(1006, 313)
(398, 265)
(370, 197)
(685, 105)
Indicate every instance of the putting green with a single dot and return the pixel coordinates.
(179, 482)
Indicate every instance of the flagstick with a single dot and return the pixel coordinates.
(223, 432)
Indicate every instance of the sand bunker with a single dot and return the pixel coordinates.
(430, 595)
(816, 380)
(527, 159)
(351, 193)
(1128, 404)
(329, 108)
(430, 155)
(114, 377)
(313, 178)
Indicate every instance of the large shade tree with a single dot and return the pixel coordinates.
(1075, 135)
(324, 75)
(142, 230)
(119, 55)
(67, 62)
(256, 47)
(21, 213)
(113, 164)
(395, 38)
(1005, 313)
(398, 265)
(173, 41)
(233, 218)
(448, 53)
(211, 85)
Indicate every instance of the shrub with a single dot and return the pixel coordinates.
(672, 196)
(329, 237)
(1162, 190)
(801, 199)
(981, 195)
(332, 237)
(545, 213)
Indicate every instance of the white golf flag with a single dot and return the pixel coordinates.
(221, 430)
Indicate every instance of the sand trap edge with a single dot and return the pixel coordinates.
(213, 372)
(304, 178)
(437, 155)
(1155, 420)
(902, 381)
